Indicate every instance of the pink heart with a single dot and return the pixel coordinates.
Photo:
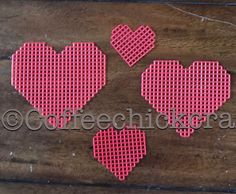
(119, 151)
(53, 82)
(132, 46)
(202, 88)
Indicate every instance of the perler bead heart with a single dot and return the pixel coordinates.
(132, 46)
(119, 151)
(54, 82)
(202, 88)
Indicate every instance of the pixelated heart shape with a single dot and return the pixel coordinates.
(172, 89)
(55, 82)
(132, 46)
(119, 151)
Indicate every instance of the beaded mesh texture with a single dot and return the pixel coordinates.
(132, 46)
(119, 151)
(54, 82)
(172, 89)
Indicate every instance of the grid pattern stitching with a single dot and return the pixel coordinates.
(53, 82)
(202, 88)
(132, 46)
(119, 151)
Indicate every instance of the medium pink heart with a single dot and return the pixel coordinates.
(132, 46)
(119, 151)
(53, 82)
(202, 88)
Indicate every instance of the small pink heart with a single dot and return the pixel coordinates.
(53, 82)
(132, 46)
(119, 151)
(202, 88)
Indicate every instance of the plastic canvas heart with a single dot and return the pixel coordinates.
(54, 82)
(119, 151)
(202, 89)
(132, 46)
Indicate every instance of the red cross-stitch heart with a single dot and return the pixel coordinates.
(171, 89)
(119, 151)
(132, 46)
(54, 82)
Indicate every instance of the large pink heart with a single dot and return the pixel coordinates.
(53, 82)
(119, 151)
(202, 88)
(132, 46)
